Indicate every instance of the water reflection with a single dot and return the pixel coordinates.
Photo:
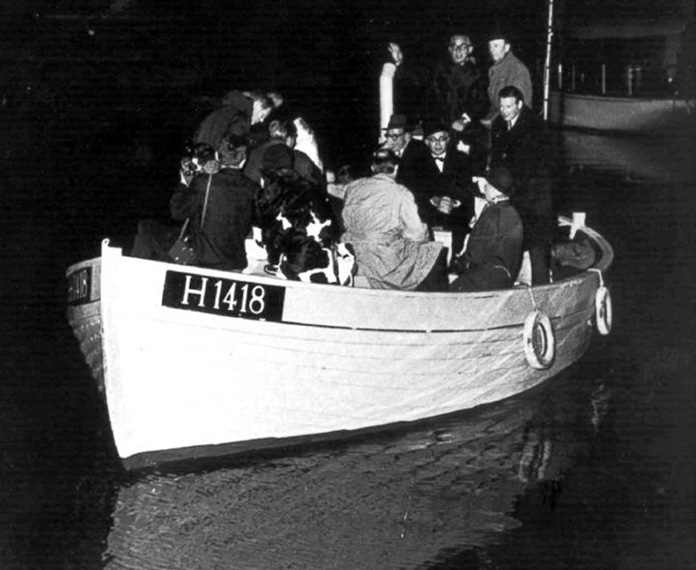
(403, 499)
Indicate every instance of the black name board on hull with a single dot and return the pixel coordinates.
(80, 286)
(225, 297)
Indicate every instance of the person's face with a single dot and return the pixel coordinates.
(490, 192)
(459, 49)
(437, 143)
(498, 49)
(259, 112)
(396, 139)
(510, 107)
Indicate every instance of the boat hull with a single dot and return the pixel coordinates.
(186, 372)
(620, 114)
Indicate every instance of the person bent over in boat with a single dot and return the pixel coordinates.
(392, 245)
(282, 132)
(236, 115)
(219, 205)
(297, 225)
(493, 252)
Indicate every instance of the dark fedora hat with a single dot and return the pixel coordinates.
(501, 179)
(499, 32)
(398, 121)
(432, 127)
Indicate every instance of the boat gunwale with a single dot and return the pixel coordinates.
(605, 260)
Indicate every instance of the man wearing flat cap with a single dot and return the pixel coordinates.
(493, 253)
(507, 69)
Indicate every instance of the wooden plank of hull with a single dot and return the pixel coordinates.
(340, 359)
(617, 113)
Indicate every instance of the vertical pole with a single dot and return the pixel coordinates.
(386, 97)
(547, 63)
(604, 79)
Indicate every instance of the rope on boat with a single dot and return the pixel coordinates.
(598, 272)
(531, 296)
(604, 314)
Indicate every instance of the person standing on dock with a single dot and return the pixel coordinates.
(507, 69)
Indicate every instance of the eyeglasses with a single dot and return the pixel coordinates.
(455, 47)
(441, 140)
(393, 136)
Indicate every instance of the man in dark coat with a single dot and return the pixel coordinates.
(493, 251)
(220, 206)
(457, 96)
(517, 144)
(412, 152)
(454, 94)
(442, 185)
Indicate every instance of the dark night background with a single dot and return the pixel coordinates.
(97, 100)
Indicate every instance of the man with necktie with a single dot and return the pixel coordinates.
(516, 143)
(442, 184)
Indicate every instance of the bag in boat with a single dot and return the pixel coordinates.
(182, 250)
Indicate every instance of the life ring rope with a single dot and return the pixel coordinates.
(531, 296)
(598, 272)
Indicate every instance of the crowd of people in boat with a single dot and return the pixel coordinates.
(463, 153)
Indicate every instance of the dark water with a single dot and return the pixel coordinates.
(593, 470)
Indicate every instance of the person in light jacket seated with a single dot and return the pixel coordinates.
(391, 242)
(493, 251)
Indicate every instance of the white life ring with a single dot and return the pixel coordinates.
(539, 340)
(603, 310)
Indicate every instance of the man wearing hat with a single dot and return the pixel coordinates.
(493, 253)
(442, 184)
(507, 69)
(399, 139)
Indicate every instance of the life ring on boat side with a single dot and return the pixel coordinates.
(603, 310)
(539, 340)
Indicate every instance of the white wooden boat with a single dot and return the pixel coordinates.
(196, 362)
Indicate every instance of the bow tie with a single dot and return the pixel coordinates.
(439, 158)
